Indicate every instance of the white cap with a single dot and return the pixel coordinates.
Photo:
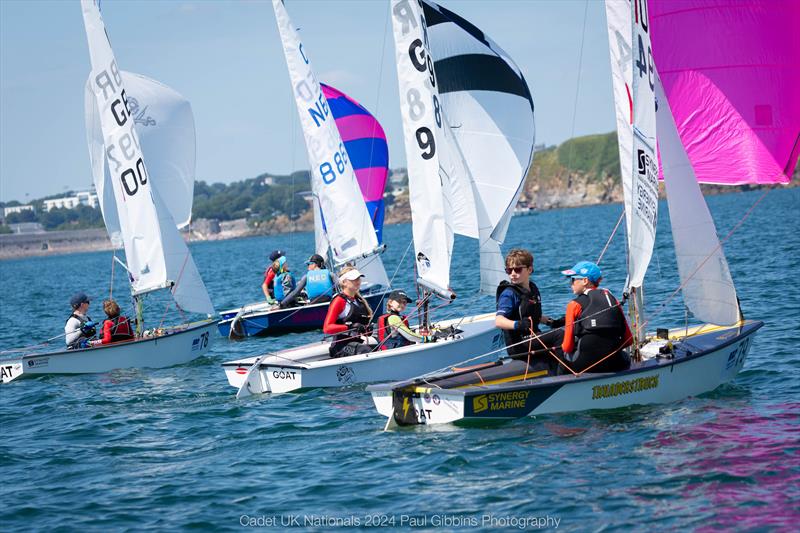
(351, 275)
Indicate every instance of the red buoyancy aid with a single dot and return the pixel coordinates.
(120, 328)
(382, 327)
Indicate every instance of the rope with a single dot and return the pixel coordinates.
(611, 237)
(111, 284)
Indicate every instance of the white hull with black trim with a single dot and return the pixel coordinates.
(177, 345)
(697, 364)
(311, 366)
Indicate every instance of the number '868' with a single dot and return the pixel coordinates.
(330, 171)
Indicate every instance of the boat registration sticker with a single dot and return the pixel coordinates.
(38, 362)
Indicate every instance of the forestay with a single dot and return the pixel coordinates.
(165, 126)
(156, 255)
(707, 286)
(332, 178)
(489, 123)
(731, 72)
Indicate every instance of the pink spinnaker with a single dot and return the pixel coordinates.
(731, 72)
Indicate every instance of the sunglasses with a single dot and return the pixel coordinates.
(516, 270)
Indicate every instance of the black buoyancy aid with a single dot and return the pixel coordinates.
(601, 315)
(530, 307)
(358, 314)
(393, 341)
(88, 334)
(120, 329)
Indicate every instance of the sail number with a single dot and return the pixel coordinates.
(329, 171)
(421, 59)
(644, 63)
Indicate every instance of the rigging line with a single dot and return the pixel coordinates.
(111, 285)
(611, 237)
(709, 256)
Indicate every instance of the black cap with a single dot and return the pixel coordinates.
(78, 299)
(276, 254)
(398, 296)
(317, 260)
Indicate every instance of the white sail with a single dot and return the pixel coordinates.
(320, 238)
(349, 227)
(707, 286)
(155, 253)
(489, 115)
(644, 175)
(421, 112)
(165, 125)
(618, 22)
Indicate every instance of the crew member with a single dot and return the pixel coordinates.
(318, 283)
(393, 330)
(79, 327)
(348, 316)
(116, 327)
(283, 283)
(269, 275)
(595, 326)
(519, 314)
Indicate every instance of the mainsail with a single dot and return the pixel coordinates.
(156, 255)
(728, 69)
(479, 110)
(165, 126)
(332, 178)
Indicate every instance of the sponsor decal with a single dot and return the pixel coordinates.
(284, 374)
(38, 363)
(241, 370)
(500, 401)
(624, 387)
(345, 374)
(6, 372)
(436, 399)
(139, 113)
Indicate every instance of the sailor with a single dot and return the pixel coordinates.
(393, 330)
(283, 283)
(595, 326)
(116, 327)
(319, 283)
(79, 327)
(269, 275)
(519, 314)
(348, 316)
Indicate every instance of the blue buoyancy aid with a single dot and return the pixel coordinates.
(284, 283)
(318, 283)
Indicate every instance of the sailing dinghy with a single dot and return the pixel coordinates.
(724, 103)
(125, 113)
(467, 159)
(365, 147)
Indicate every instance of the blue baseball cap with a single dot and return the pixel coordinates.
(78, 299)
(584, 269)
(275, 255)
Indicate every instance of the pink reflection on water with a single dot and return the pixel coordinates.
(743, 465)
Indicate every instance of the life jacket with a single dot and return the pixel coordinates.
(88, 334)
(357, 314)
(120, 328)
(318, 283)
(386, 340)
(530, 306)
(603, 315)
(284, 284)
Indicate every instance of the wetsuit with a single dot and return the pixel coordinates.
(517, 303)
(595, 326)
(116, 329)
(344, 314)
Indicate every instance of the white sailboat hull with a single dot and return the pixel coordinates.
(178, 346)
(652, 381)
(310, 366)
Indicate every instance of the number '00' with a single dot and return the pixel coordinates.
(132, 179)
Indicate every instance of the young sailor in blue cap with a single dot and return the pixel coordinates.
(79, 328)
(595, 329)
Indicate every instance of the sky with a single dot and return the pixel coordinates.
(225, 57)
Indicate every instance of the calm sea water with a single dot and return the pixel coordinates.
(173, 448)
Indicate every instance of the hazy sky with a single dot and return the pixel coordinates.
(226, 58)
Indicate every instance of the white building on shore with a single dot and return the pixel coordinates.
(16, 209)
(69, 202)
